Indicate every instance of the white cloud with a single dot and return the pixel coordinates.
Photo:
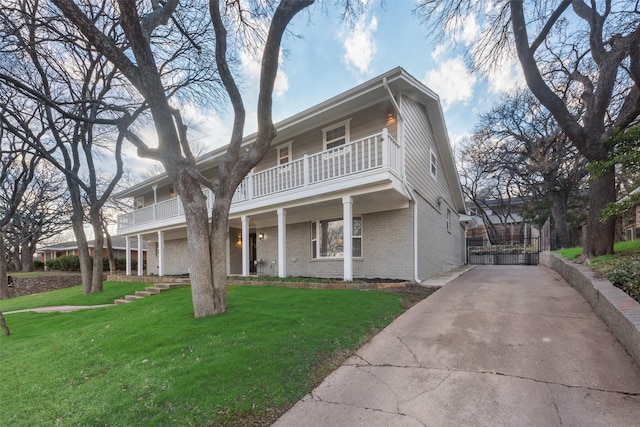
(207, 130)
(451, 81)
(359, 44)
(439, 50)
(465, 30)
(506, 77)
(469, 31)
(251, 68)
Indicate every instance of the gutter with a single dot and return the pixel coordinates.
(405, 185)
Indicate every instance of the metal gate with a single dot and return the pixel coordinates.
(502, 252)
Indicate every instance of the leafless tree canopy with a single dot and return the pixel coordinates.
(580, 59)
(519, 140)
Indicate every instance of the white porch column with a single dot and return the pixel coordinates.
(160, 253)
(347, 236)
(282, 243)
(127, 245)
(245, 245)
(140, 256)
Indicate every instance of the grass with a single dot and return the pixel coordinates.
(152, 363)
(630, 248)
(73, 296)
(570, 253)
(622, 267)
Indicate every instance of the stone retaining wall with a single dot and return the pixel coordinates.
(618, 310)
(274, 282)
(146, 279)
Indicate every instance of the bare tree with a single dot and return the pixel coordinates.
(521, 138)
(594, 46)
(69, 85)
(18, 167)
(43, 211)
(489, 187)
(139, 63)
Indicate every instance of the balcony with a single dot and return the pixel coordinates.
(376, 152)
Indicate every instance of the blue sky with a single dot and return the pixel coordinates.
(332, 57)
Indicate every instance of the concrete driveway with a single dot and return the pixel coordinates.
(497, 346)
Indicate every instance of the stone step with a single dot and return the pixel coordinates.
(151, 290)
(164, 286)
(144, 293)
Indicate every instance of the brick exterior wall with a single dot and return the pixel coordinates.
(176, 257)
(387, 242)
(438, 249)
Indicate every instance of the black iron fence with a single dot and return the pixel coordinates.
(503, 252)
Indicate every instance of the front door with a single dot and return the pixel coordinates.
(252, 254)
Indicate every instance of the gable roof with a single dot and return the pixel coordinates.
(382, 88)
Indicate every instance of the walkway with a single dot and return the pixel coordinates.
(497, 346)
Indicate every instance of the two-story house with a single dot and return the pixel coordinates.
(363, 185)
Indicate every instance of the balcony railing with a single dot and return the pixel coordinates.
(372, 152)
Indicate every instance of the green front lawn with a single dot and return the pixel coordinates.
(73, 296)
(151, 363)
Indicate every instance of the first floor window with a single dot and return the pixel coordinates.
(449, 220)
(327, 238)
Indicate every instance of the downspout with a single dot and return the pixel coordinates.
(405, 185)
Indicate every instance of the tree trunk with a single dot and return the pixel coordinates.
(17, 258)
(219, 241)
(559, 214)
(196, 215)
(77, 223)
(110, 252)
(98, 266)
(27, 256)
(600, 235)
(4, 281)
(3, 324)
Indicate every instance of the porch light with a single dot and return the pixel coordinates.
(239, 242)
(260, 236)
(391, 120)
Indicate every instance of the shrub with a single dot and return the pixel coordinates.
(121, 264)
(625, 274)
(72, 263)
(64, 263)
(38, 265)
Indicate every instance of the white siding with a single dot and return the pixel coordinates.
(362, 123)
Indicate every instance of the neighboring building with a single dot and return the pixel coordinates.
(375, 159)
(502, 220)
(71, 248)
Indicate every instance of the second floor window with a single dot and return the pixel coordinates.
(434, 164)
(138, 202)
(284, 153)
(336, 135)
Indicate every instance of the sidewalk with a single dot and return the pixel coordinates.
(60, 308)
(496, 346)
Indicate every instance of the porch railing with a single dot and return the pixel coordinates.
(369, 153)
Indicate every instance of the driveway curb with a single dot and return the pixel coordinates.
(619, 311)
